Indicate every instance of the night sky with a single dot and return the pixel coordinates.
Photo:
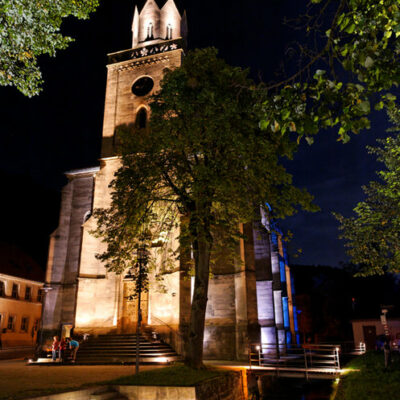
(60, 130)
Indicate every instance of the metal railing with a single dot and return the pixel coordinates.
(168, 334)
(350, 348)
(316, 358)
(359, 349)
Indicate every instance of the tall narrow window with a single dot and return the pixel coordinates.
(2, 289)
(39, 295)
(141, 118)
(24, 324)
(14, 292)
(11, 323)
(28, 293)
(150, 32)
(169, 32)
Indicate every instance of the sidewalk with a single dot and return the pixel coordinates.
(16, 352)
(18, 381)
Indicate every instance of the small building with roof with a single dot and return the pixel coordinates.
(21, 283)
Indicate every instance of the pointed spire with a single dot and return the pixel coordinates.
(135, 28)
(184, 26)
(150, 4)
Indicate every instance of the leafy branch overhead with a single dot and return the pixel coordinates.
(31, 28)
(356, 62)
(373, 235)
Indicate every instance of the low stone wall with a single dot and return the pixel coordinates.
(226, 387)
(157, 392)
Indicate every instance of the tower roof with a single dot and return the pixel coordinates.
(179, 4)
(154, 24)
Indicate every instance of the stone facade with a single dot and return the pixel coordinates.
(246, 302)
(65, 251)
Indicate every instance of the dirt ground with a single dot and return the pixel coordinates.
(18, 381)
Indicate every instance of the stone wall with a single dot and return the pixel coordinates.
(64, 251)
(226, 387)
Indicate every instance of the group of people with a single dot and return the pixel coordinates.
(59, 347)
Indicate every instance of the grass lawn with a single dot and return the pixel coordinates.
(369, 379)
(179, 375)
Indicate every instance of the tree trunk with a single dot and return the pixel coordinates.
(194, 346)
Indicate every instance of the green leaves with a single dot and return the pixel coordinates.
(373, 235)
(359, 48)
(29, 29)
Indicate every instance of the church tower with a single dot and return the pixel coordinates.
(133, 75)
(248, 302)
(84, 295)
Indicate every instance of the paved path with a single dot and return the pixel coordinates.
(18, 381)
(17, 352)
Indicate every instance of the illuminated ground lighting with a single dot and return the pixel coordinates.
(43, 361)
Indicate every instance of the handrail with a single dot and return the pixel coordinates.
(167, 325)
(308, 358)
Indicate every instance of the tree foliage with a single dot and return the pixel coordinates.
(373, 235)
(28, 29)
(203, 165)
(355, 62)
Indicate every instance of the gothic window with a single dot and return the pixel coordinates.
(40, 296)
(2, 289)
(28, 293)
(150, 35)
(24, 324)
(141, 118)
(14, 292)
(169, 32)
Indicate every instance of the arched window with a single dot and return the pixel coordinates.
(169, 32)
(141, 118)
(150, 35)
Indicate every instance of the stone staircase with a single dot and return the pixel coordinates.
(121, 349)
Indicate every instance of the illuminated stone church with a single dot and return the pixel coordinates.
(248, 303)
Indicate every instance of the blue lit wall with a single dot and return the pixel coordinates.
(282, 269)
(286, 321)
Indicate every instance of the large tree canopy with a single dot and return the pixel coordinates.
(355, 61)
(203, 163)
(373, 235)
(29, 29)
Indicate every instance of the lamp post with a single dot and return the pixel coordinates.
(139, 275)
(45, 289)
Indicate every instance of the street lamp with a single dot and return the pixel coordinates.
(139, 275)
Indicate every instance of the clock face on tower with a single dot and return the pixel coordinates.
(142, 86)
